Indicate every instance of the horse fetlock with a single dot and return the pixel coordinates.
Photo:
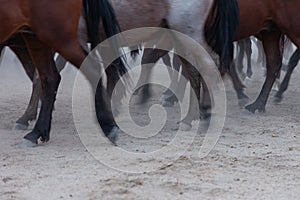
(114, 134)
(256, 107)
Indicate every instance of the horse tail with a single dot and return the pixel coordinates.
(220, 29)
(95, 11)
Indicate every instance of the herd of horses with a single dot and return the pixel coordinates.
(36, 29)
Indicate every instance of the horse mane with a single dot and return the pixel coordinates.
(220, 29)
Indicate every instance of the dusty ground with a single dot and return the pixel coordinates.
(257, 157)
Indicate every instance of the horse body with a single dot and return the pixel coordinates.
(271, 19)
(188, 17)
(49, 26)
(28, 14)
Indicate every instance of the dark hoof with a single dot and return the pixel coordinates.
(243, 102)
(253, 108)
(277, 99)
(20, 127)
(31, 137)
(26, 144)
(113, 135)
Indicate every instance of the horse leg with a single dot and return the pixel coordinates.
(150, 57)
(284, 85)
(42, 57)
(205, 106)
(240, 57)
(274, 61)
(261, 55)
(243, 99)
(183, 79)
(193, 111)
(1, 54)
(248, 51)
(169, 98)
(167, 61)
(31, 111)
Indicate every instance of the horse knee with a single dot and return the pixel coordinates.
(50, 84)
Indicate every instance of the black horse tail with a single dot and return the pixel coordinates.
(96, 10)
(220, 29)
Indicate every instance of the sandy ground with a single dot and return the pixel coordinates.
(256, 157)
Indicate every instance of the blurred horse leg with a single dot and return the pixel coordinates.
(43, 60)
(1, 54)
(194, 105)
(274, 61)
(169, 98)
(243, 99)
(149, 58)
(284, 85)
(240, 53)
(248, 51)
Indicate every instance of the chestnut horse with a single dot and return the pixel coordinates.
(271, 19)
(125, 10)
(43, 33)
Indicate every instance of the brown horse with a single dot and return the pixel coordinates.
(43, 33)
(152, 12)
(271, 19)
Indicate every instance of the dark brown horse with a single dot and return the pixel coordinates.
(271, 19)
(43, 33)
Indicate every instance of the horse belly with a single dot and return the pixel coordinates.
(252, 22)
(188, 17)
(12, 18)
(140, 13)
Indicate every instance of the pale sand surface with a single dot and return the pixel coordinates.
(256, 157)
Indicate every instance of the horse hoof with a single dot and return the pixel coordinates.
(113, 135)
(20, 127)
(26, 144)
(243, 102)
(185, 127)
(253, 108)
(277, 100)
